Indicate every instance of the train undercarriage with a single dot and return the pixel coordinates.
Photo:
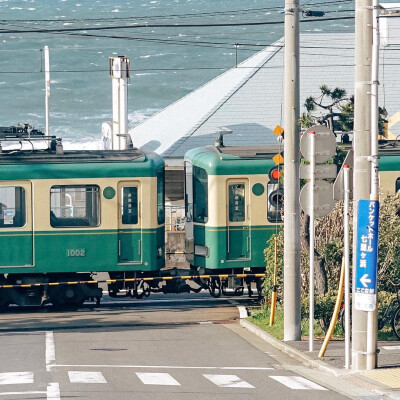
(73, 289)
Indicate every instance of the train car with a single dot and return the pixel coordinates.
(232, 206)
(389, 168)
(67, 214)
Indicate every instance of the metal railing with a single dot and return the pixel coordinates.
(174, 218)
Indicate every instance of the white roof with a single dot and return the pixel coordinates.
(249, 99)
(170, 128)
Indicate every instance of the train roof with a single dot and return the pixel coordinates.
(239, 160)
(47, 164)
(221, 160)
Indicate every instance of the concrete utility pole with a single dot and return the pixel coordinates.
(362, 150)
(292, 309)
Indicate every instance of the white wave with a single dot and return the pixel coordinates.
(27, 83)
(136, 117)
(16, 8)
(2, 83)
(115, 10)
(31, 9)
(145, 74)
(83, 144)
(68, 23)
(146, 56)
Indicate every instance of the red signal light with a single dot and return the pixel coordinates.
(275, 173)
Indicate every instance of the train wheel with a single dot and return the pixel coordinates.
(214, 287)
(259, 283)
(239, 291)
(67, 297)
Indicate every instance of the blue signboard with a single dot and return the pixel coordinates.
(366, 255)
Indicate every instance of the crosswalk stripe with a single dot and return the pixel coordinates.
(14, 378)
(86, 377)
(53, 391)
(297, 382)
(149, 378)
(228, 381)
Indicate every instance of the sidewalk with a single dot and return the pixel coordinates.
(381, 383)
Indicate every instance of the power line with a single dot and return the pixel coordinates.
(227, 24)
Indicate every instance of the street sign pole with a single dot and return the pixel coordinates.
(312, 234)
(346, 179)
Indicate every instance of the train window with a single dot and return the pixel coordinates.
(74, 206)
(160, 197)
(397, 185)
(200, 195)
(237, 207)
(12, 207)
(188, 191)
(129, 205)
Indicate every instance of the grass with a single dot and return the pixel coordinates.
(260, 316)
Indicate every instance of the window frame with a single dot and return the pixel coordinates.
(161, 196)
(22, 210)
(122, 187)
(195, 186)
(98, 206)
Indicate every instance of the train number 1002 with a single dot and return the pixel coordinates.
(76, 252)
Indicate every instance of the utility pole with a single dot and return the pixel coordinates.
(292, 309)
(47, 87)
(362, 152)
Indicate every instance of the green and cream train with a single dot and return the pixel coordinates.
(233, 198)
(67, 214)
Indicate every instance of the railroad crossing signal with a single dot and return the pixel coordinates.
(278, 130)
(275, 194)
(278, 158)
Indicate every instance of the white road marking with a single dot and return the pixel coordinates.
(53, 391)
(14, 378)
(50, 350)
(228, 381)
(297, 382)
(391, 347)
(157, 379)
(157, 367)
(86, 377)
(18, 393)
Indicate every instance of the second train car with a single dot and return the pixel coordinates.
(232, 202)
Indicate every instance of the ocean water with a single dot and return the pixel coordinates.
(167, 61)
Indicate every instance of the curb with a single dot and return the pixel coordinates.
(285, 348)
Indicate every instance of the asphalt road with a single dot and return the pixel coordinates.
(165, 347)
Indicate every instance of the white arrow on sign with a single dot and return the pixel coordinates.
(364, 280)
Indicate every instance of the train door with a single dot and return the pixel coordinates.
(189, 230)
(16, 230)
(129, 225)
(238, 229)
